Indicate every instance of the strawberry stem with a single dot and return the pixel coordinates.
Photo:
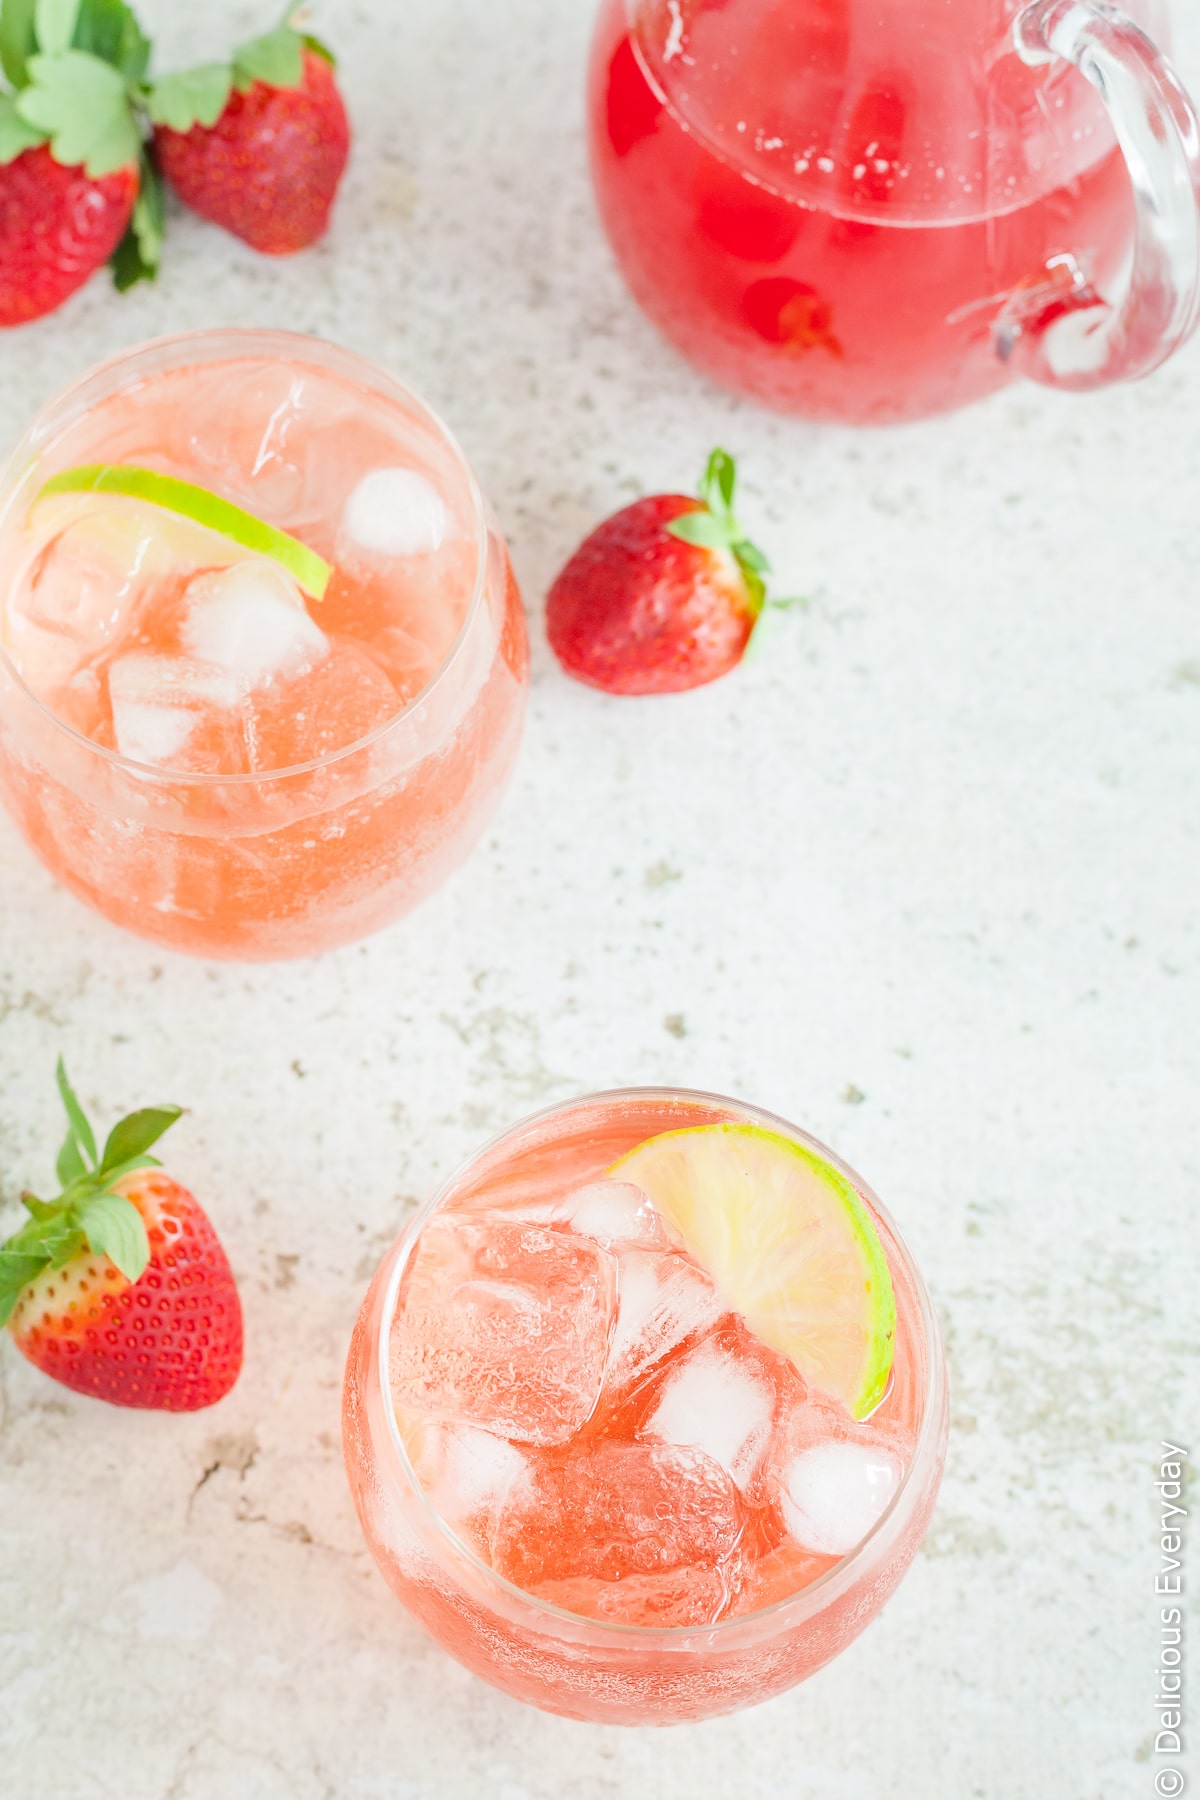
(75, 1113)
(715, 526)
(88, 1213)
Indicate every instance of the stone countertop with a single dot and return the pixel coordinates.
(921, 877)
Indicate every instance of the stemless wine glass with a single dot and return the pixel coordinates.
(380, 772)
(591, 1667)
(871, 210)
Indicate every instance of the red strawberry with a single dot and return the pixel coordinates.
(662, 596)
(57, 227)
(268, 168)
(257, 142)
(71, 167)
(119, 1288)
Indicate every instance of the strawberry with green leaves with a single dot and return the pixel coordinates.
(83, 123)
(74, 184)
(257, 145)
(663, 595)
(119, 1287)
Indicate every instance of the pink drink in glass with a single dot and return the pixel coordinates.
(585, 1474)
(200, 750)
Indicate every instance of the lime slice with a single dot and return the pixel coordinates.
(310, 571)
(117, 535)
(788, 1242)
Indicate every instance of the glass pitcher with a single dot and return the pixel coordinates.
(872, 210)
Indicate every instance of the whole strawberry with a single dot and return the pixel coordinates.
(257, 142)
(662, 596)
(71, 169)
(258, 148)
(57, 227)
(119, 1287)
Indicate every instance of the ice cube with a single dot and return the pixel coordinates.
(94, 552)
(467, 1473)
(717, 1402)
(833, 1493)
(612, 1212)
(479, 1471)
(395, 512)
(45, 660)
(408, 662)
(247, 432)
(505, 1326)
(663, 1297)
(319, 709)
(176, 713)
(250, 618)
(151, 734)
(644, 1533)
(93, 560)
(82, 703)
(81, 578)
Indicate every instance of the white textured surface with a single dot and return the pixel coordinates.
(922, 878)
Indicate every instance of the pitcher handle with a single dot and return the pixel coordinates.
(1060, 331)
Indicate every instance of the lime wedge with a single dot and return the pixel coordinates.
(310, 571)
(789, 1243)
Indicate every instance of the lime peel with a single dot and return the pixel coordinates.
(310, 571)
(789, 1242)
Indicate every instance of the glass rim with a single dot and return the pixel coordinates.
(19, 463)
(807, 1600)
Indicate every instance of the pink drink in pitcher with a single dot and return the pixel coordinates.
(871, 210)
